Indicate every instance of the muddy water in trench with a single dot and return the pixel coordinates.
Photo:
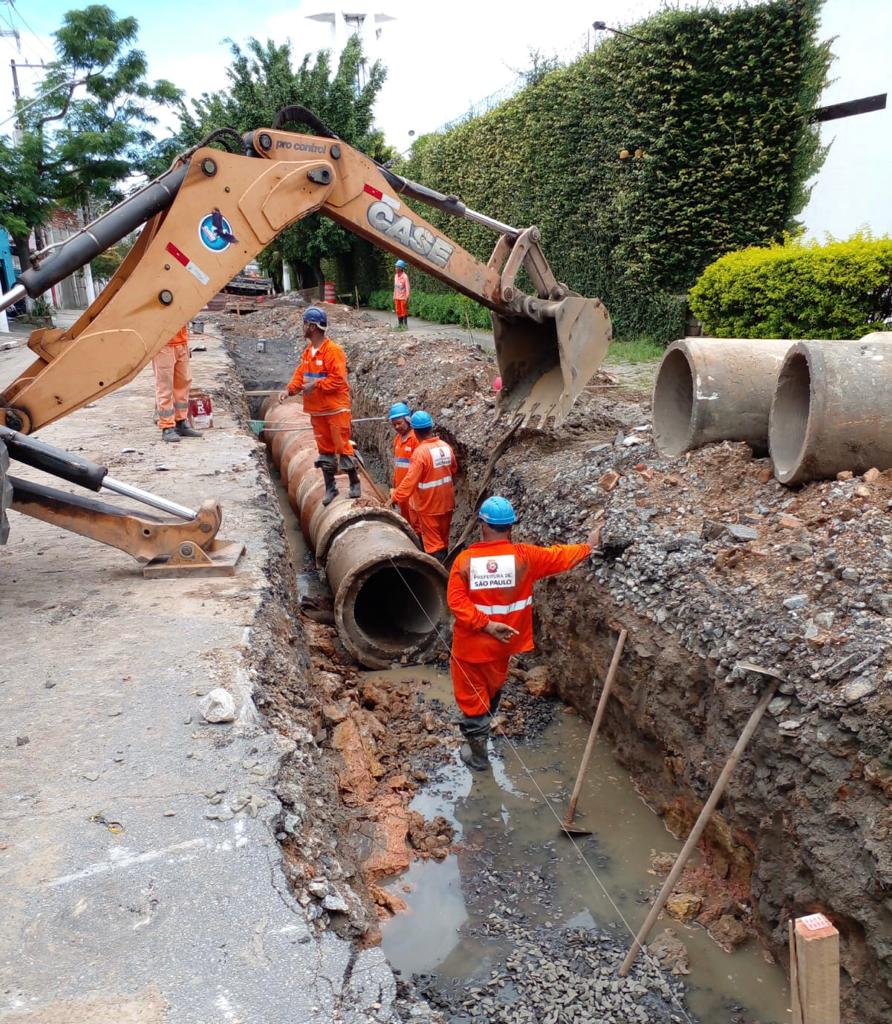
(504, 812)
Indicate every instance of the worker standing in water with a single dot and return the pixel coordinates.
(173, 379)
(404, 443)
(490, 593)
(321, 377)
(401, 292)
(427, 486)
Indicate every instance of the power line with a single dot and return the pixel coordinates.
(37, 39)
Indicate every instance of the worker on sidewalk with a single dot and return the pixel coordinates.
(404, 443)
(401, 292)
(490, 593)
(427, 486)
(321, 377)
(173, 378)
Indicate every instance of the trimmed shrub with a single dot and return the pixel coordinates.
(797, 290)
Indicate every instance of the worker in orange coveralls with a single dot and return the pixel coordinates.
(173, 378)
(490, 593)
(321, 378)
(401, 292)
(404, 443)
(427, 486)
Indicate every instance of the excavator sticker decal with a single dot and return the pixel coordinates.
(384, 218)
(215, 232)
(183, 259)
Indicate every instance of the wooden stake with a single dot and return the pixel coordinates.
(596, 724)
(700, 824)
(814, 970)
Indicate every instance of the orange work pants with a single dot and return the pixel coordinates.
(434, 530)
(410, 515)
(332, 433)
(401, 306)
(173, 378)
(475, 683)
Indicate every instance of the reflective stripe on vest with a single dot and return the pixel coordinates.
(315, 376)
(504, 609)
(401, 462)
(435, 483)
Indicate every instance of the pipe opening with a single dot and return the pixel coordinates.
(674, 404)
(789, 416)
(396, 607)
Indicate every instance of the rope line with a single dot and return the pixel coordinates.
(579, 852)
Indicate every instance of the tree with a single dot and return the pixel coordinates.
(88, 128)
(263, 81)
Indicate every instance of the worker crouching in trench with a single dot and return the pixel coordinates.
(490, 593)
(321, 377)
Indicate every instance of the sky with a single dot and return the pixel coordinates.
(442, 61)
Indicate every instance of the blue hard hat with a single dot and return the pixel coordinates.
(497, 511)
(399, 411)
(400, 264)
(421, 420)
(315, 315)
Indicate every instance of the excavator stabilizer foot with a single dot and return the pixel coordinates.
(545, 364)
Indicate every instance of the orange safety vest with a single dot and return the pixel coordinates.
(180, 338)
(328, 367)
(427, 485)
(402, 455)
(401, 287)
(493, 580)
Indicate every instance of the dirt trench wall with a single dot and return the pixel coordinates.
(708, 563)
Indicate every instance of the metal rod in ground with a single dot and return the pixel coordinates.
(383, 498)
(567, 823)
(699, 825)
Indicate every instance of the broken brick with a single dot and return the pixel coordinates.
(609, 480)
(871, 475)
(765, 475)
(846, 474)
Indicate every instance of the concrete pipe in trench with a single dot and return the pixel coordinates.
(715, 389)
(389, 596)
(831, 409)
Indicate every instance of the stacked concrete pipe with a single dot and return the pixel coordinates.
(715, 389)
(832, 409)
(389, 596)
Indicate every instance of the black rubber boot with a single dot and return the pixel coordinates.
(331, 488)
(476, 733)
(170, 434)
(348, 465)
(473, 753)
(184, 430)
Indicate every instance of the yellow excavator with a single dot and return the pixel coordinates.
(205, 219)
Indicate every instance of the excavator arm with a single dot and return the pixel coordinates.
(214, 211)
(204, 219)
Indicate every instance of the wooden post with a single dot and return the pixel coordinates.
(700, 824)
(596, 725)
(814, 970)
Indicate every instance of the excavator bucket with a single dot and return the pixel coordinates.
(545, 365)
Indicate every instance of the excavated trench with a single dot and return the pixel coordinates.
(697, 568)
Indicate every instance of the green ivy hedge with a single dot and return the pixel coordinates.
(643, 161)
(445, 308)
(797, 290)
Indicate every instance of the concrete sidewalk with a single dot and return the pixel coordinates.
(134, 889)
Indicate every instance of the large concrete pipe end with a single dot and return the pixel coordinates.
(715, 389)
(390, 598)
(831, 410)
